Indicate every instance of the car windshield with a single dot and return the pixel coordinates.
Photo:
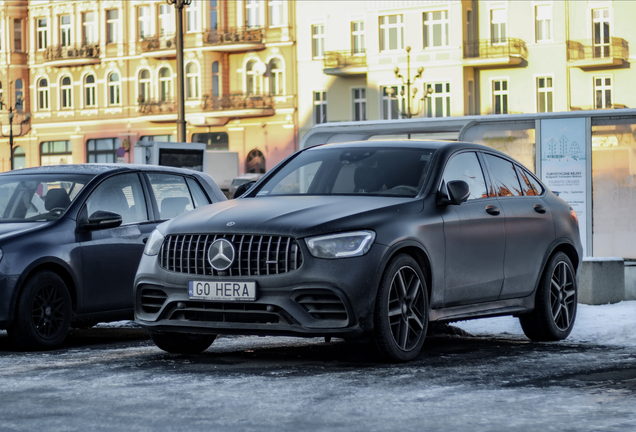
(38, 197)
(381, 171)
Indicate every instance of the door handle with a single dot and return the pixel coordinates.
(491, 209)
(539, 208)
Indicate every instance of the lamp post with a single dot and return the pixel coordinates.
(410, 97)
(12, 110)
(181, 124)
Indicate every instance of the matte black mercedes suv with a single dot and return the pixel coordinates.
(366, 239)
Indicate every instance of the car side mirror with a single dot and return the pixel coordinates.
(455, 192)
(243, 188)
(102, 219)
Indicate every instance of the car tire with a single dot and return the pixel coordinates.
(43, 314)
(182, 343)
(401, 310)
(555, 302)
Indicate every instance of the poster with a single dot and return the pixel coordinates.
(563, 165)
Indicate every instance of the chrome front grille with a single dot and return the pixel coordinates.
(256, 255)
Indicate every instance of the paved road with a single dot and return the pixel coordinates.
(115, 379)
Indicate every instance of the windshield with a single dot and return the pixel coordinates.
(382, 171)
(38, 197)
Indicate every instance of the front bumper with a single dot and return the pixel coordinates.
(7, 299)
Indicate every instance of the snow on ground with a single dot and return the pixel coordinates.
(610, 324)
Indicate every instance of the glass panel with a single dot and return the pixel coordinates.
(504, 176)
(466, 167)
(121, 194)
(514, 139)
(172, 195)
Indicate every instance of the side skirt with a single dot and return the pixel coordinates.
(482, 310)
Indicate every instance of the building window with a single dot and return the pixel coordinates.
(192, 81)
(160, 138)
(112, 26)
(19, 95)
(144, 22)
(17, 35)
(65, 30)
(543, 23)
(43, 36)
(165, 85)
(436, 29)
(320, 107)
(144, 86)
(318, 35)
(215, 79)
(88, 28)
(277, 13)
(19, 158)
(500, 96)
(255, 162)
(391, 103)
(544, 94)
(114, 89)
(603, 92)
(391, 32)
(43, 94)
(89, 91)
(214, 14)
(56, 153)
(213, 140)
(254, 84)
(192, 14)
(498, 26)
(601, 31)
(357, 37)
(1, 95)
(166, 21)
(438, 103)
(252, 13)
(102, 150)
(276, 77)
(65, 92)
(359, 104)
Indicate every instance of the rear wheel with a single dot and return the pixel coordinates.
(182, 343)
(555, 302)
(401, 310)
(43, 313)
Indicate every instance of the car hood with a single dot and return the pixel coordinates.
(298, 216)
(8, 230)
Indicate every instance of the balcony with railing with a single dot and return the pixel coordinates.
(495, 53)
(157, 110)
(239, 105)
(72, 55)
(234, 40)
(159, 47)
(598, 54)
(345, 63)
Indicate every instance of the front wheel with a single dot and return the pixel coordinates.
(401, 310)
(555, 302)
(182, 343)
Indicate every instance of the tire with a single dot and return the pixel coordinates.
(43, 313)
(401, 311)
(555, 302)
(182, 343)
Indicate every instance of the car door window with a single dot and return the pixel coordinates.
(529, 184)
(121, 194)
(199, 197)
(504, 176)
(172, 195)
(466, 167)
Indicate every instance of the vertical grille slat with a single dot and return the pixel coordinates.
(255, 254)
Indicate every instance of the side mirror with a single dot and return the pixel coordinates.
(243, 188)
(455, 192)
(102, 219)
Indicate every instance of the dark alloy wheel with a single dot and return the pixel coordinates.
(182, 343)
(43, 313)
(401, 311)
(555, 302)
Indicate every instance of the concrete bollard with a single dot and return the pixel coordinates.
(602, 280)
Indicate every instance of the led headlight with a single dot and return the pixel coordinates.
(342, 245)
(154, 243)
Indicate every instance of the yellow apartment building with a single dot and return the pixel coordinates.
(83, 81)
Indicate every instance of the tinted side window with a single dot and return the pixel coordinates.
(529, 184)
(200, 198)
(121, 194)
(172, 195)
(466, 167)
(504, 175)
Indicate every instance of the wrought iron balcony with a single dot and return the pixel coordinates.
(72, 55)
(154, 107)
(343, 63)
(239, 105)
(495, 53)
(234, 39)
(159, 46)
(587, 54)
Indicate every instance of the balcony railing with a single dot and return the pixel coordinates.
(342, 59)
(237, 101)
(234, 39)
(155, 44)
(157, 107)
(490, 49)
(587, 53)
(73, 54)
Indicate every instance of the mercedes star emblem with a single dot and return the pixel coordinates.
(221, 254)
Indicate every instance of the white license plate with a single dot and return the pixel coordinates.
(222, 290)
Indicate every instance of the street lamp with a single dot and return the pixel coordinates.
(181, 124)
(410, 97)
(26, 118)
